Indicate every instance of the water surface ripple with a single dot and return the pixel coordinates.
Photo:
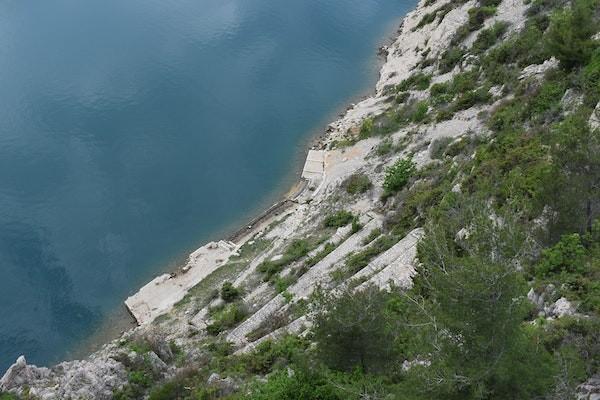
(131, 131)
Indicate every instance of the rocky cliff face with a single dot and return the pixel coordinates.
(293, 240)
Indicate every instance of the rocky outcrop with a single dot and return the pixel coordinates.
(590, 389)
(88, 379)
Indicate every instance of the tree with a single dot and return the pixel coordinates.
(570, 32)
(356, 329)
(575, 183)
(472, 296)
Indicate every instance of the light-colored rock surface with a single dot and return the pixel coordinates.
(590, 389)
(163, 292)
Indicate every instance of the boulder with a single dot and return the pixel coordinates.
(20, 374)
(590, 389)
(225, 386)
(562, 307)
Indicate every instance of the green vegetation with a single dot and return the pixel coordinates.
(229, 293)
(357, 183)
(296, 250)
(338, 219)
(488, 37)
(359, 260)
(226, 317)
(438, 147)
(397, 176)
(418, 81)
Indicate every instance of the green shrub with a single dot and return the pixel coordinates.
(397, 176)
(357, 183)
(566, 256)
(140, 378)
(527, 47)
(471, 98)
(297, 249)
(438, 89)
(488, 37)
(227, 317)
(328, 248)
(374, 234)
(304, 384)
(450, 58)
(338, 219)
(590, 80)
(359, 260)
(401, 97)
(420, 113)
(464, 82)
(366, 129)
(418, 81)
(268, 354)
(438, 146)
(426, 20)
(169, 391)
(444, 115)
(478, 15)
(229, 293)
(385, 147)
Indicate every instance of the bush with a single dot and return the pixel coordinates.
(478, 15)
(302, 384)
(528, 47)
(464, 82)
(450, 58)
(385, 147)
(339, 219)
(168, 391)
(296, 250)
(225, 318)
(438, 146)
(268, 354)
(357, 183)
(471, 98)
(444, 115)
(229, 293)
(359, 260)
(590, 80)
(420, 112)
(566, 256)
(488, 37)
(418, 81)
(475, 300)
(397, 176)
(366, 129)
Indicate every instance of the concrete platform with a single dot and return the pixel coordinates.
(314, 166)
(163, 292)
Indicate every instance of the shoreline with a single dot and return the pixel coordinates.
(292, 185)
(164, 291)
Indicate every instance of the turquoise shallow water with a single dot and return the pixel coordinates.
(131, 131)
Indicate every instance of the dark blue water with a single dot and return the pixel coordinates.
(133, 130)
